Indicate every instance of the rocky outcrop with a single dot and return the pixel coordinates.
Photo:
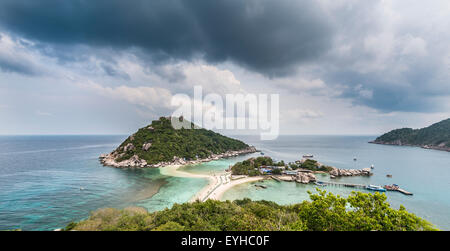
(146, 146)
(305, 178)
(349, 172)
(136, 162)
(128, 147)
(441, 147)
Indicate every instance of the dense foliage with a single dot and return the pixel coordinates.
(434, 135)
(310, 164)
(166, 142)
(250, 166)
(325, 212)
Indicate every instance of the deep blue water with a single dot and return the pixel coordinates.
(49, 181)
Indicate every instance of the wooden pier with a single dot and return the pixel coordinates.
(329, 183)
(360, 186)
(404, 192)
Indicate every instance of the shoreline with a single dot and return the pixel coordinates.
(220, 191)
(427, 147)
(135, 162)
(217, 185)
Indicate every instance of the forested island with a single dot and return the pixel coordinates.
(325, 212)
(160, 144)
(436, 136)
(301, 171)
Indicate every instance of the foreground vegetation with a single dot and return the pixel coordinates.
(160, 142)
(325, 212)
(435, 135)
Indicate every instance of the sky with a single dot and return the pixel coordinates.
(110, 67)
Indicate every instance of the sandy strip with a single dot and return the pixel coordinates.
(215, 188)
(218, 192)
(213, 180)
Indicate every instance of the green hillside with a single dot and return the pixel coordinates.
(325, 212)
(435, 136)
(160, 142)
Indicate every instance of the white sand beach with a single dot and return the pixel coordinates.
(219, 191)
(218, 183)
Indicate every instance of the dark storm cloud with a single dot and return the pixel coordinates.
(263, 35)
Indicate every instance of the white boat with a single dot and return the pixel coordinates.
(375, 188)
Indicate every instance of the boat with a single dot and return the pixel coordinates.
(389, 175)
(372, 167)
(392, 187)
(308, 156)
(262, 153)
(319, 183)
(375, 188)
(355, 159)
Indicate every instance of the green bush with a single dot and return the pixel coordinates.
(325, 212)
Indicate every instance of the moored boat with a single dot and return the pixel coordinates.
(319, 183)
(375, 188)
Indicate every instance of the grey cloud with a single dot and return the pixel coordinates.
(111, 70)
(266, 36)
(8, 65)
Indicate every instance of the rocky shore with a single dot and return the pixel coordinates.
(440, 147)
(305, 178)
(349, 172)
(136, 162)
(301, 177)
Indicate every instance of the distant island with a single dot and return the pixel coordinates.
(436, 136)
(159, 144)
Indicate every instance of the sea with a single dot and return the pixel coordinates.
(47, 181)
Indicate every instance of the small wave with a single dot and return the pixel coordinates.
(60, 149)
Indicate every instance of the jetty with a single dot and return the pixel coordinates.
(404, 192)
(360, 186)
(329, 183)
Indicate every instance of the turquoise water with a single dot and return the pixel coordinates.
(48, 181)
(426, 173)
(41, 177)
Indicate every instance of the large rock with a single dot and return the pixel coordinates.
(146, 146)
(350, 172)
(128, 147)
(305, 178)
